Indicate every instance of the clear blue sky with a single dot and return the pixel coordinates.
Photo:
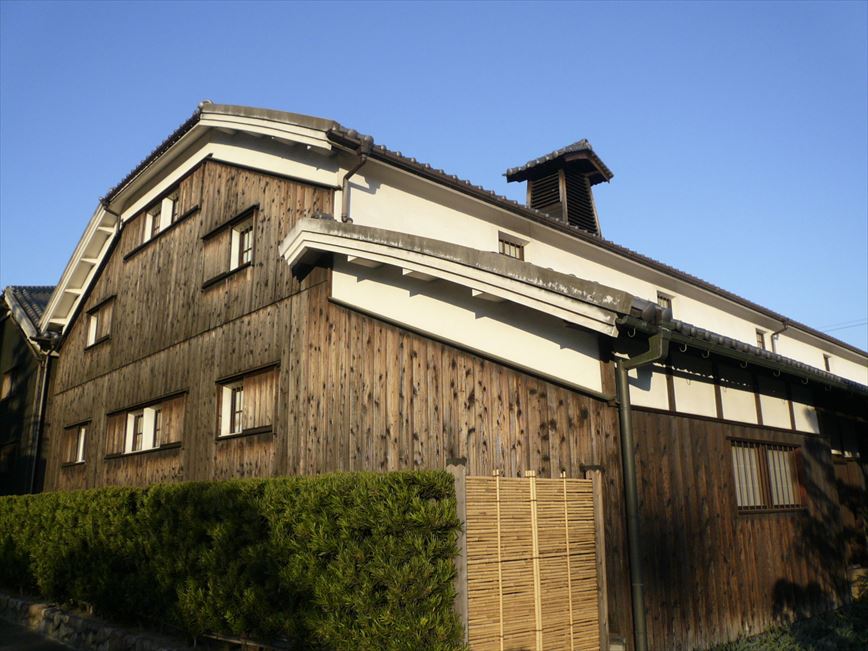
(738, 132)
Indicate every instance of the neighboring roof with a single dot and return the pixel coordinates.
(352, 139)
(27, 303)
(582, 148)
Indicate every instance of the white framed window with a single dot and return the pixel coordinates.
(143, 429)
(241, 244)
(99, 320)
(246, 402)
(160, 216)
(75, 441)
(232, 408)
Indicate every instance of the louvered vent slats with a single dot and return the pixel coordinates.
(545, 194)
(580, 207)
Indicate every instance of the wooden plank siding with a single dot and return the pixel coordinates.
(712, 574)
(356, 393)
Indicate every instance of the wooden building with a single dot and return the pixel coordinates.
(23, 369)
(270, 293)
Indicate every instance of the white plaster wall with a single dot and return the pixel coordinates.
(648, 387)
(504, 331)
(773, 403)
(803, 410)
(813, 355)
(693, 383)
(738, 404)
(387, 198)
(737, 399)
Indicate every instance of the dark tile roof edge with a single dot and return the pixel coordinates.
(205, 107)
(162, 148)
(342, 136)
(350, 137)
(32, 299)
(580, 145)
(709, 340)
(701, 334)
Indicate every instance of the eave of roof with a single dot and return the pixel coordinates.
(27, 304)
(457, 263)
(584, 147)
(351, 139)
(712, 342)
(396, 159)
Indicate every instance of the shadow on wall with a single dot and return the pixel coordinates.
(17, 423)
(821, 542)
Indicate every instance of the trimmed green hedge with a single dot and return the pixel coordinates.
(344, 561)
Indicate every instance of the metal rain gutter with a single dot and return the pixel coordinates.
(658, 348)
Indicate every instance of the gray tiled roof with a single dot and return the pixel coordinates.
(581, 145)
(33, 299)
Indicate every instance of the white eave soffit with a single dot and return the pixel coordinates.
(311, 237)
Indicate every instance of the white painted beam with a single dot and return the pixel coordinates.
(418, 275)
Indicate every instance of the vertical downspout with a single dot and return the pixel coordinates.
(364, 150)
(658, 348)
(773, 337)
(39, 426)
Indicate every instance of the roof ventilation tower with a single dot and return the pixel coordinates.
(559, 184)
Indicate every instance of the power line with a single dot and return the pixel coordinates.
(849, 322)
(847, 327)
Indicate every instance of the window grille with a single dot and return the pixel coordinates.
(766, 476)
(512, 249)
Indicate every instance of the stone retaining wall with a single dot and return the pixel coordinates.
(80, 631)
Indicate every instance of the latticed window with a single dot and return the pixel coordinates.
(511, 248)
(766, 476)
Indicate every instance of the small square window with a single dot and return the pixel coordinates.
(232, 408)
(246, 403)
(160, 216)
(143, 429)
(99, 322)
(664, 301)
(766, 476)
(75, 441)
(511, 247)
(760, 339)
(241, 244)
(149, 427)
